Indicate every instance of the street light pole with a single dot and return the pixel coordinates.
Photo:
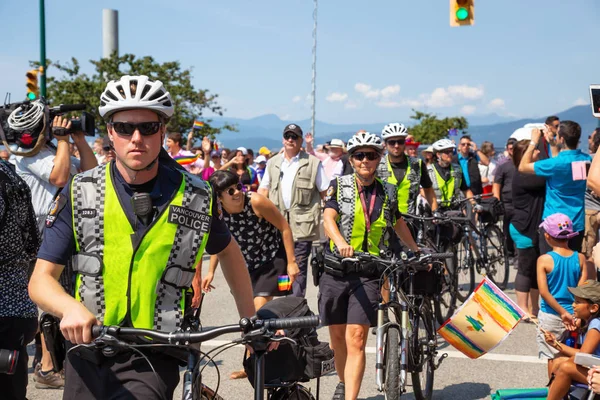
(42, 49)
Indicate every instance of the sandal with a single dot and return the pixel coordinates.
(238, 375)
(340, 392)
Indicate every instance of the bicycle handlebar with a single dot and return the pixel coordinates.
(245, 325)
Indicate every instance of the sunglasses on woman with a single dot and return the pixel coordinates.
(145, 128)
(369, 155)
(231, 190)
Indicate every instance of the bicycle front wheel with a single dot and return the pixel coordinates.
(422, 352)
(465, 270)
(297, 392)
(497, 268)
(392, 364)
(444, 301)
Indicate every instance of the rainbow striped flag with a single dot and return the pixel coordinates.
(283, 283)
(482, 322)
(198, 124)
(186, 160)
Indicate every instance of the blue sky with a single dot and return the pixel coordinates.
(376, 59)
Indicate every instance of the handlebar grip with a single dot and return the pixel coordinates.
(97, 331)
(293, 322)
(441, 256)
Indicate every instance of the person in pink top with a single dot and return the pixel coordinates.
(212, 159)
(182, 156)
(332, 160)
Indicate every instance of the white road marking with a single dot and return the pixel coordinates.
(451, 354)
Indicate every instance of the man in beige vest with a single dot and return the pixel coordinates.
(295, 182)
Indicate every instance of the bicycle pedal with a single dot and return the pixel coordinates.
(439, 361)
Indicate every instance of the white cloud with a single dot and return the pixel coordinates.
(336, 97)
(296, 99)
(452, 95)
(367, 90)
(399, 104)
(468, 110)
(581, 102)
(390, 91)
(285, 117)
(496, 104)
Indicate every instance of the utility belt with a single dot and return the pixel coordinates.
(334, 265)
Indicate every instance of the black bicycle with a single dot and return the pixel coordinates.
(257, 334)
(407, 343)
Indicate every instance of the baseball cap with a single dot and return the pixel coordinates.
(336, 143)
(260, 159)
(589, 290)
(243, 150)
(559, 226)
(264, 151)
(293, 128)
(215, 153)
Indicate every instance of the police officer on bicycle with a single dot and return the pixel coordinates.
(135, 228)
(360, 216)
(409, 174)
(446, 176)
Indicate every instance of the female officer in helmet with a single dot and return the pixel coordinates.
(359, 216)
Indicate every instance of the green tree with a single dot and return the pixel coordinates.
(75, 87)
(430, 128)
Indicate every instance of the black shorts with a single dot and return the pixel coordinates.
(125, 376)
(264, 278)
(352, 299)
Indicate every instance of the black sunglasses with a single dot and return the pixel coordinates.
(393, 142)
(231, 190)
(369, 155)
(448, 151)
(290, 135)
(145, 128)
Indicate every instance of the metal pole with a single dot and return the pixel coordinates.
(42, 68)
(314, 69)
(110, 32)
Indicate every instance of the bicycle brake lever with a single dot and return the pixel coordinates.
(283, 339)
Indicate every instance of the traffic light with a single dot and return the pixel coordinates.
(33, 91)
(462, 12)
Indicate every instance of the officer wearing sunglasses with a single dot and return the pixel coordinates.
(136, 229)
(361, 215)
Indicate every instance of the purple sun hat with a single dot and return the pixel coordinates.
(559, 226)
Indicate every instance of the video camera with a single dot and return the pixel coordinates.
(22, 123)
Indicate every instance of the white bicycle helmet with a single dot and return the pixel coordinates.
(393, 130)
(150, 95)
(443, 144)
(364, 139)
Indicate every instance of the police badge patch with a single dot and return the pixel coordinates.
(57, 205)
(329, 193)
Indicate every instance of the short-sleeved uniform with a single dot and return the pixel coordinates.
(351, 299)
(86, 380)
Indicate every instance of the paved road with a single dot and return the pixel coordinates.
(513, 364)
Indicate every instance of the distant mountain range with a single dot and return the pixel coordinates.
(266, 130)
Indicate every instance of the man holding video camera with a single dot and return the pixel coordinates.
(19, 242)
(46, 172)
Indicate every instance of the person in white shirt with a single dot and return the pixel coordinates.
(296, 182)
(332, 159)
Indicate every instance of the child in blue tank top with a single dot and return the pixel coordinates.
(586, 308)
(556, 271)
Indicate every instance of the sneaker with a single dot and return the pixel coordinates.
(50, 380)
(340, 392)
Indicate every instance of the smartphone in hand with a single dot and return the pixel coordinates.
(595, 99)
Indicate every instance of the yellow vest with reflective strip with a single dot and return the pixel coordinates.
(141, 285)
(408, 188)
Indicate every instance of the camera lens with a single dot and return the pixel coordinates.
(8, 361)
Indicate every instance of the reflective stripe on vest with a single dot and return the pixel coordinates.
(408, 189)
(146, 284)
(446, 191)
(351, 219)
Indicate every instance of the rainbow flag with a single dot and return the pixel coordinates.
(482, 322)
(198, 124)
(283, 283)
(186, 160)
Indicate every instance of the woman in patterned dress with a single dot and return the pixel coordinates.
(265, 239)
